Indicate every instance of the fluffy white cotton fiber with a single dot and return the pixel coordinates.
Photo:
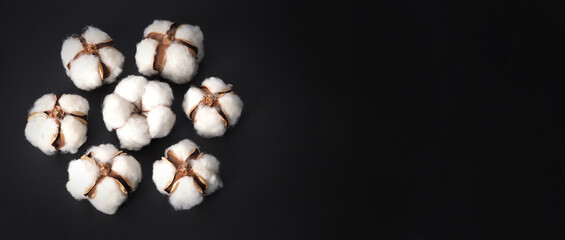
(185, 192)
(181, 44)
(90, 60)
(213, 107)
(139, 110)
(104, 176)
(57, 124)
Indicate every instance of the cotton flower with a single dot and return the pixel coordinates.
(104, 176)
(90, 60)
(186, 175)
(139, 110)
(170, 49)
(213, 107)
(57, 124)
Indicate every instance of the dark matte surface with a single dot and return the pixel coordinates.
(390, 120)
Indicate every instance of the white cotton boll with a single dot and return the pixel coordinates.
(186, 195)
(116, 111)
(194, 35)
(131, 88)
(144, 56)
(232, 106)
(82, 174)
(163, 172)
(160, 121)
(108, 196)
(74, 134)
(128, 168)
(134, 134)
(182, 149)
(209, 122)
(207, 166)
(180, 66)
(40, 131)
(73, 103)
(84, 72)
(84, 67)
(156, 94)
(95, 35)
(103, 153)
(44, 103)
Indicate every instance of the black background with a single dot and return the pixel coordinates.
(388, 120)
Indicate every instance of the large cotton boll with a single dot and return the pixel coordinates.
(116, 111)
(40, 132)
(186, 195)
(108, 196)
(163, 173)
(131, 88)
(145, 55)
(180, 66)
(134, 134)
(160, 121)
(156, 94)
(44, 103)
(129, 168)
(84, 68)
(73, 103)
(82, 174)
(74, 133)
(209, 122)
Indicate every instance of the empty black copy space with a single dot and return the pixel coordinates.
(382, 120)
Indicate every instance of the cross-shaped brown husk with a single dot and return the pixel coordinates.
(92, 49)
(106, 171)
(211, 100)
(58, 114)
(165, 40)
(184, 169)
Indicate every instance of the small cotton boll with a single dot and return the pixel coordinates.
(209, 122)
(156, 94)
(116, 111)
(44, 103)
(108, 196)
(160, 121)
(40, 131)
(131, 88)
(232, 106)
(128, 168)
(134, 134)
(82, 61)
(145, 55)
(163, 172)
(73, 103)
(74, 133)
(180, 66)
(82, 175)
(186, 195)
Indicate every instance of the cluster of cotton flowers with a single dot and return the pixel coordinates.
(170, 49)
(186, 174)
(213, 107)
(90, 60)
(57, 124)
(104, 176)
(139, 110)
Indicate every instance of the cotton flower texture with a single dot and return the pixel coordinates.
(90, 60)
(186, 174)
(57, 124)
(170, 49)
(139, 110)
(213, 107)
(104, 176)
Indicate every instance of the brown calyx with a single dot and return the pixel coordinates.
(184, 168)
(165, 40)
(106, 171)
(93, 49)
(211, 99)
